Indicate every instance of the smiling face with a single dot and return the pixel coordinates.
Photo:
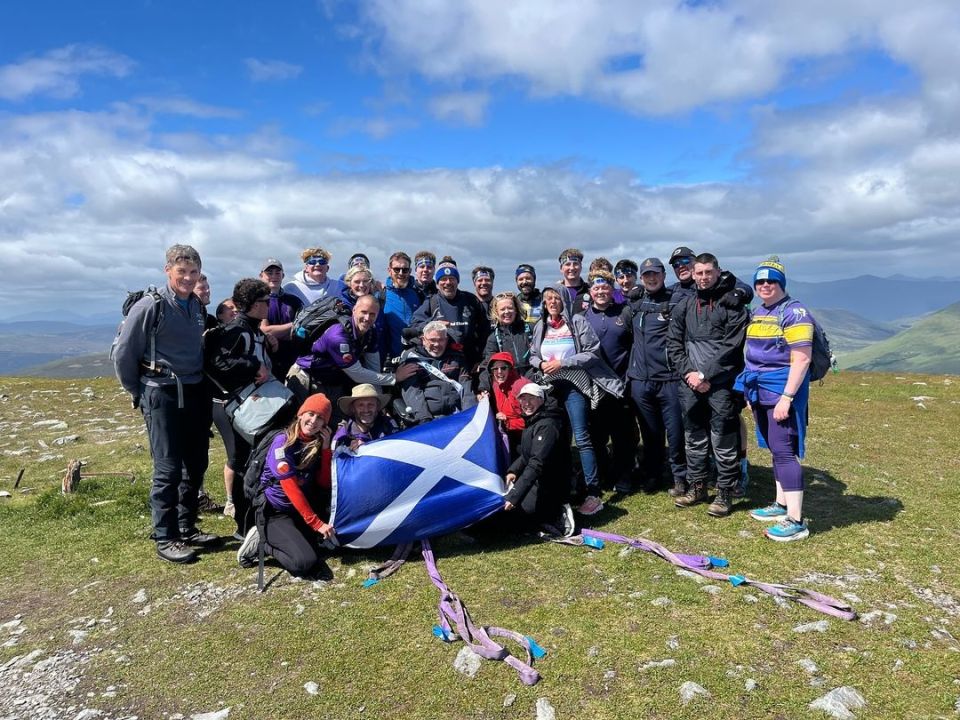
(315, 269)
(553, 304)
(365, 313)
(705, 275)
(360, 284)
(448, 286)
(529, 404)
(652, 280)
(399, 270)
(627, 280)
(571, 270)
(310, 423)
(424, 270)
(273, 277)
(435, 343)
(228, 312)
(506, 311)
(484, 287)
(365, 409)
(202, 291)
(601, 294)
(526, 282)
(182, 277)
(769, 291)
(683, 268)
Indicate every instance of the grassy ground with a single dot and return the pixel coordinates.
(883, 469)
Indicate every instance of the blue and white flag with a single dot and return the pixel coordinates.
(432, 479)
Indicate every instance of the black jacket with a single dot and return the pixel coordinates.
(651, 321)
(707, 336)
(544, 457)
(514, 339)
(430, 397)
(468, 326)
(232, 354)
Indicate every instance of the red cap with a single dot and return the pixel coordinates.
(502, 357)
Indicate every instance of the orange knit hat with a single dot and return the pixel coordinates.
(319, 404)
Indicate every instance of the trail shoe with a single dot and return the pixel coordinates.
(624, 486)
(722, 504)
(247, 554)
(787, 530)
(567, 525)
(591, 506)
(696, 493)
(175, 551)
(679, 488)
(773, 511)
(206, 504)
(198, 538)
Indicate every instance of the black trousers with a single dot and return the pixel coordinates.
(179, 439)
(661, 421)
(291, 541)
(712, 418)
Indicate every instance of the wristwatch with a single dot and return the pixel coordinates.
(700, 375)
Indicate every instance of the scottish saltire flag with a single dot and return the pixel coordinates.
(429, 480)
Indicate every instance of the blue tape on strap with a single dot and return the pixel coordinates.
(535, 650)
(593, 542)
(369, 582)
(737, 580)
(441, 633)
(717, 562)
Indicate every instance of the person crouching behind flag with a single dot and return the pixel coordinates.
(505, 382)
(536, 481)
(364, 420)
(296, 481)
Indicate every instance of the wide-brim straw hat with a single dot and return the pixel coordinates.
(364, 390)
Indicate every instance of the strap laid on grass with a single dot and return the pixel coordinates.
(454, 615)
(703, 564)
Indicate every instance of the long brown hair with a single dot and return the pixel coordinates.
(311, 448)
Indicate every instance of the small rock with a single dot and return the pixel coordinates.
(300, 609)
(610, 675)
(673, 642)
(840, 703)
(311, 687)
(666, 663)
(750, 685)
(467, 662)
(818, 626)
(12, 625)
(699, 579)
(140, 597)
(871, 617)
(545, 710)
(897, 664)
(689, 690)
(88, 714)
(626, 551)
(5, 493)
(745, 534)
(808, 665)
(509, 700)
(66, 439)
(710, 589)
(593, 652)
(661, 601)
(216, 715)
(77, 635)
(748, 598)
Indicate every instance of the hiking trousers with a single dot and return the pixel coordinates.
(179, 440)
(661, 421)
(711, 418)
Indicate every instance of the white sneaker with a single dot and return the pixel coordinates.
(247, 554)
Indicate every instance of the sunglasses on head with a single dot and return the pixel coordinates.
(503, 295)
(681, 261)
(316, 261)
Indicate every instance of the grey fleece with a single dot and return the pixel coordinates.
(178, 345)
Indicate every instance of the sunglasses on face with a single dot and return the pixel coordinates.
(400, 270)
(764, 281)
(680, 262)
(317, 261)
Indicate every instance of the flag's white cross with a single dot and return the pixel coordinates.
(437, 463)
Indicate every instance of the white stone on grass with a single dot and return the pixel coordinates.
(467, 662)
(750, 685)
(690, 690)
(509, 700)
(840, 703)
(808, 665)
(215, 715)
(818, 626)
(140, 597)
(652, 664)
(311, 687)
(661, 601)
(545, 710)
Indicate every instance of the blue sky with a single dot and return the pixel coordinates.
(498, 131)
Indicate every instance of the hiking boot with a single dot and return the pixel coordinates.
(679, 488)
(787, 530)
(175, 551)
(249, 548)
(773, 511)
(206, 504)
(591, 506)
(624, 486)
(722, 504)
(198, 538)
(696, 493)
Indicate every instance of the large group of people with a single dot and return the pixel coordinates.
(640, 378)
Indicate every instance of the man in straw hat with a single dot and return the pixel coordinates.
(364, 420)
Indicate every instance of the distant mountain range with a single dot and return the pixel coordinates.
(932, 345)
(28, 344)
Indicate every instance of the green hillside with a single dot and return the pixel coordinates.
(848, 331)
(930, 346)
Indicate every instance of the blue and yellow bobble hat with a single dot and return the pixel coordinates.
(771, 269)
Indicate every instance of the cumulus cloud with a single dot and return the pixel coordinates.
(57, 73)
(463, 108)
(187, 107)
(657, 57)
(271, 70)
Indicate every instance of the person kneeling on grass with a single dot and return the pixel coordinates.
(536, 481)
(296, 488)
(776, 383)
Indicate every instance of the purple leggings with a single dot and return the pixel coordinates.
(782, 441)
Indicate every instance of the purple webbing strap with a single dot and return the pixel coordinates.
(701, 565)
(454, 614)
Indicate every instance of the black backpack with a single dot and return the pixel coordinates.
(311, 322)
(258, 459)
(133, 297)
(822, 359)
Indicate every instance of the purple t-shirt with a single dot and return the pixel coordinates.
(291, 455)
(337, 349)
(768, 344)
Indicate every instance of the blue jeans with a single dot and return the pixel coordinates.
(578, 410)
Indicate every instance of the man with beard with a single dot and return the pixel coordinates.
(483, 278)
(399, 299)
(438, 377)
(705, 345)
(530, 298)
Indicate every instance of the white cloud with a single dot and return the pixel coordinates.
(464, 108)
(57, 73)
(271, 70)
(187, 107)
(376, 127)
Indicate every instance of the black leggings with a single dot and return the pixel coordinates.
(291, 542)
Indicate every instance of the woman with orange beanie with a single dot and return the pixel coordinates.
(296, 488)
